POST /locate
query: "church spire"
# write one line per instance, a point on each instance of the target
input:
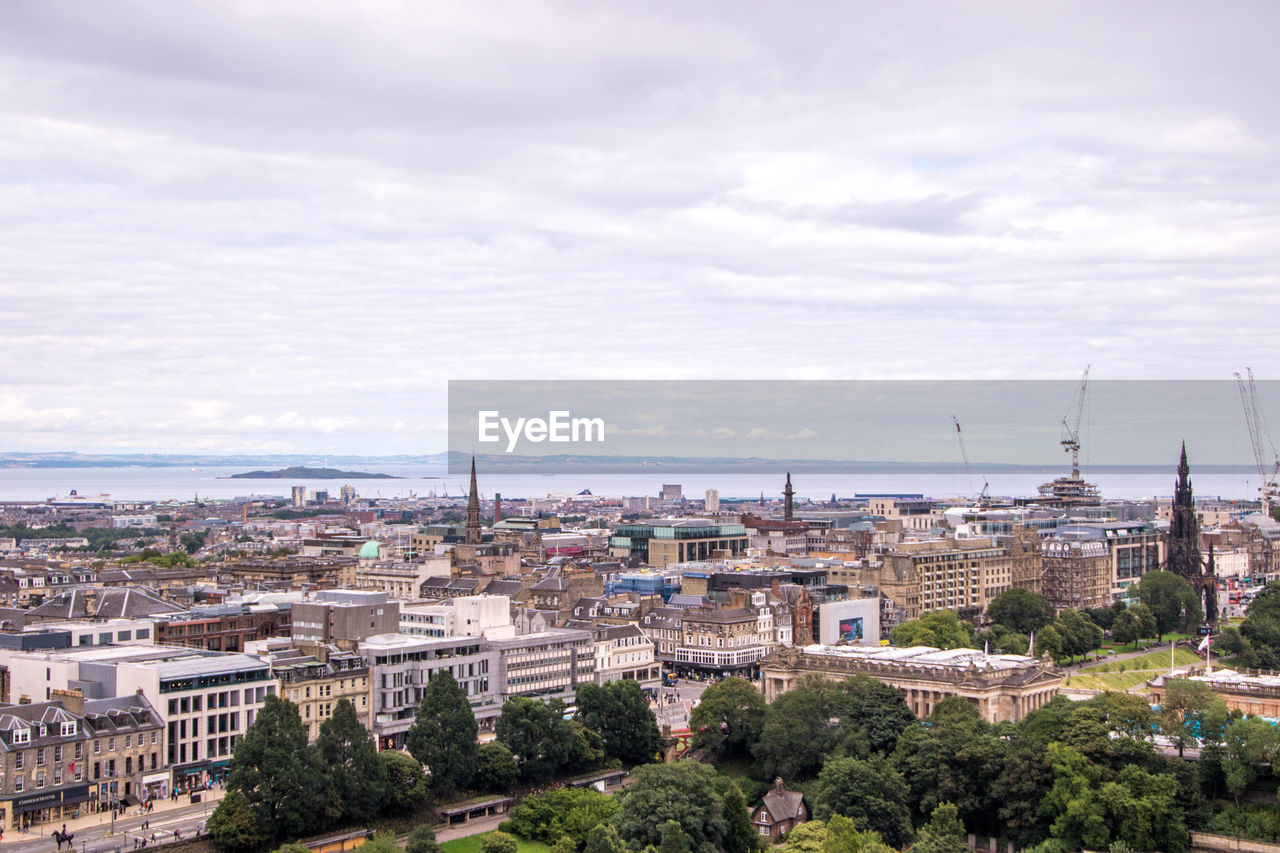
(473, 509)
(788, 495)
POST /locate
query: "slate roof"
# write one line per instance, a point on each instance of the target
(783, 804)
(124, 602)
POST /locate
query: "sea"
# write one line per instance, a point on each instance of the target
(944, 482)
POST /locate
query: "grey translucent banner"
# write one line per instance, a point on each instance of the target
(557, 426)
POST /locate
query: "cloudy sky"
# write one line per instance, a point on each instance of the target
(272, 226)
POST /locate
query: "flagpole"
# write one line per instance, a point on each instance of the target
(1171, 657)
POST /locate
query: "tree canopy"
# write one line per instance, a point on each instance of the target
(1020, 610)
(1173, 602)
(280, 776)
(443, 734)
(683, 792)
(357, 776)
(729, 717)
(941, 629)
(620, 714)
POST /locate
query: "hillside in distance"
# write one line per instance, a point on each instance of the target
(304, 473)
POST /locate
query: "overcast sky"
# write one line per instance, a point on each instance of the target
(264, 226)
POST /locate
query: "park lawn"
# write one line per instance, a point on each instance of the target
(1118, 681)
(471, 844)
(1152, 661)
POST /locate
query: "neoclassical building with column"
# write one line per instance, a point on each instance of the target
(1001, 687)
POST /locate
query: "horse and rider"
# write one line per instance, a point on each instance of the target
(64, 837)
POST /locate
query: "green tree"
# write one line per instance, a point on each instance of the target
(1048, 642)
(872, 714)
(941, 629)
(1249, 747)
(684, 792)
(957, 759)
(843, 836)
(561, 812)
(407, 789)
(443, 734)
(1025, 777)
(234, 825)
(538, 735)
(281, 776)
(496, 769)
(422, 840)
(1183, 709)
(944, 833)
(795, 737)
(292, 847)
(1261, 627)
(674, 839)
(1072, 801)
(740, 835)
(604, 839)
(1020, 610)
(729, 717)
(1231, 643)
(808, 837)
(620, 713)
(357, 776)
(871, 792)
(1125, 628)
(564, 844)
(382, 842)
(1175, 605)
(1146, 620)
(498, 842)
(1079, 635)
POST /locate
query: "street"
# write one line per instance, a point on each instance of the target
(687, 694)
(92, 833)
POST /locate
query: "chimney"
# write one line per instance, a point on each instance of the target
(497, 507)
(72, 700)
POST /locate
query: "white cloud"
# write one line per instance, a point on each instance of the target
(233, 225)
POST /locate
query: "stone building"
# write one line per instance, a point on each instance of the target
(1001, 687)
(1077, 573)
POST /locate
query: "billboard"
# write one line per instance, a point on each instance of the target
(849, 623)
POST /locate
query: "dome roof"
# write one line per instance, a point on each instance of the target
(370, 550)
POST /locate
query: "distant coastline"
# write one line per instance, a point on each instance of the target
(304, 473)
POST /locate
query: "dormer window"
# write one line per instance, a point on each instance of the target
(22, 735)
(68, 729)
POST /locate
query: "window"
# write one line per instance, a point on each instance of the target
(128, 741)
(39, 758)
(57, 753)
(97, 747)
(69, 728)
(19, 760)
(17, 783)
(22, 735)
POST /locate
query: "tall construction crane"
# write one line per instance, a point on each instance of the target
(1071, 425)
(1258, 431)
(981, 497)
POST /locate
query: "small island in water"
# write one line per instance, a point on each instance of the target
(303, 473)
